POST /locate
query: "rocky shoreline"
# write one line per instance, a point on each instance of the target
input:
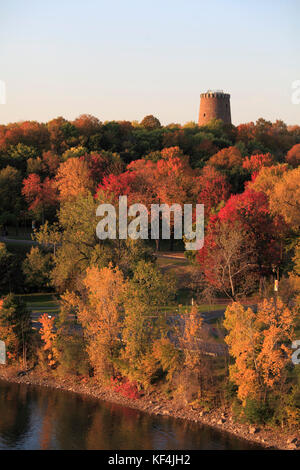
(157, 403)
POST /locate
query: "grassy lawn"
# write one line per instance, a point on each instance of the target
(41, 303)
(182, 272)
(40, 298)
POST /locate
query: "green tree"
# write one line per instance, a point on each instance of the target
(20, 153)
(11, 278)
(34, 165)
(80, 246)
(48, 235)
(36, 268)
(10, 195)
(150, 122)
(144, 322)
(16, 321)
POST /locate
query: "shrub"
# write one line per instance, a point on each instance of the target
(125, 388)
(73, 358)
(253, 412)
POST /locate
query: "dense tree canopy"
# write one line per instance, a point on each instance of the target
(118, 322)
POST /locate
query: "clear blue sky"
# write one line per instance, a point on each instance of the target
(120, 59)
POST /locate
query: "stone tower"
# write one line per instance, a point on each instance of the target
(214, 104)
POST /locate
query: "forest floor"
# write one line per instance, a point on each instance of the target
(156, 402)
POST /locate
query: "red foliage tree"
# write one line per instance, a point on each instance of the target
(87, 125)
(245, 132)
(103, 164)
(41, 195)
(251, 210)
(254, 163)
(118, 185)
(51, 162)
(228, 259)
(29, 133)
(169, 180)
(211, 188)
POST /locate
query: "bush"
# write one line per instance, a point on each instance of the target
(230, 390)
(73, 358)
(287, 409)
(16, 328)
(253, 412)
(125, 388)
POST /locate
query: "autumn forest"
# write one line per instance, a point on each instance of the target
(208, 329)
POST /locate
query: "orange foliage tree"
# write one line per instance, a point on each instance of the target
(293, 156)
(48, 336)
(257, 343)
(226, 158)
(285, 198)
(254, 163)
(73, 179)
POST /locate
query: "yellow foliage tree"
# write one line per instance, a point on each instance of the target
(48, 336)
(258, 344)
(267, 178)
(285, 198)
(276, 326)
(99, 312)
(73, 179)
(192, 323)
(226, 158)
(243, 340)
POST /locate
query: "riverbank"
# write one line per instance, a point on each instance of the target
(157, 403)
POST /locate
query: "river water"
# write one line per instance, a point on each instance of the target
(39, 418)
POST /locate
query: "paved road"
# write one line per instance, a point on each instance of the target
(17, 241)
(206, 347)
(213, 315)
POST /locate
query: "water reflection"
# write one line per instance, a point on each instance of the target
(40, 418)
